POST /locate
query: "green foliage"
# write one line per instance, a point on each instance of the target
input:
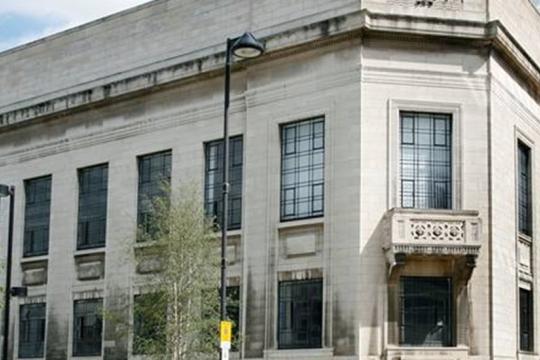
(179, 315)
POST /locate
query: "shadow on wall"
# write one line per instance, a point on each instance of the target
(372, 312)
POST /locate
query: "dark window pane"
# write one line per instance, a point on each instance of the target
(233, 313)
(154, 177)
(150, 320)
(302, 169)
(214, 181)
(31, 330)
(92, 206)
(524, 189)
(426, 160)
(426, 311)
(37, 215)
(300, 314)
(526, 320)
(87, 327)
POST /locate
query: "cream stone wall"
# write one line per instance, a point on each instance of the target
(356, 68)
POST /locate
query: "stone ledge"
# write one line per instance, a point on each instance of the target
(427, 353)
(301, 354)
(209, 62)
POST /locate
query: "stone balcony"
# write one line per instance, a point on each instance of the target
(414, 233)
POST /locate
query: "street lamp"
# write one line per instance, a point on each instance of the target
(246, 47)
(6, 191)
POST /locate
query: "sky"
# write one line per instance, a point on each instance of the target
(22, 21)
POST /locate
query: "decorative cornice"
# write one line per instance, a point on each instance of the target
(209, 62)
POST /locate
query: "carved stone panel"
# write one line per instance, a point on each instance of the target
(34, 273)
(525, 257)
(430, 4)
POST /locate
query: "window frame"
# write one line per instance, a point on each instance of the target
(451, 312)
(285, 216)
(74, 347)
(20, 352)
(27, 182)
(320, 283)
(522, 140)
(140, 181)
(90, 245)
(530, 319)
(418, 148)
(218, 164)
(395, 107)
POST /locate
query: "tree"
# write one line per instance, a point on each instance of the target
(177, 316)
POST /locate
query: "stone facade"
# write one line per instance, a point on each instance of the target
(150, 79)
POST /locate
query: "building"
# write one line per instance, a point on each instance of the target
(386, 173)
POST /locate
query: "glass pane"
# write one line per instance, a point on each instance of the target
(300, 314)
(92, 206)
(426, 311)
(213, 182)
(524, 190)
(37, 215)
(154, 177)
(302, 167)
(31, 330)
(426, 160)
(87, 327)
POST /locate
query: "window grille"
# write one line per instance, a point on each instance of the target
(87, 327)
(426, 311)
(37, 215)
(150, 320)
(526, 320)
(300, 314)
(214, 181)
(92, 207)
(302, 169)
(524, 189)
(31, 330)
(426, 160)
(154, 178)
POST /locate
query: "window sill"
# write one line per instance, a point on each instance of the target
(527, 355)
(230, 233)
(300, 354)
(85, 252)
(32, 259)
(526, 239)
(285, 225)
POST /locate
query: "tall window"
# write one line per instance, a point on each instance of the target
(92, 206)
(87, 327)
(526, 320)
(37, 215)
(302, 169)
(524, 189)
(150, 317)
(426, 311)
(154, 177)
(214, 180)
(31, 330)
(426, 160)
(300, 314)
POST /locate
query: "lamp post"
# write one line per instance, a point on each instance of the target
(6, 191)
(247, 47)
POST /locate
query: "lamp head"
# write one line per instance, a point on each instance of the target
(5, 190)
(247, 47)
